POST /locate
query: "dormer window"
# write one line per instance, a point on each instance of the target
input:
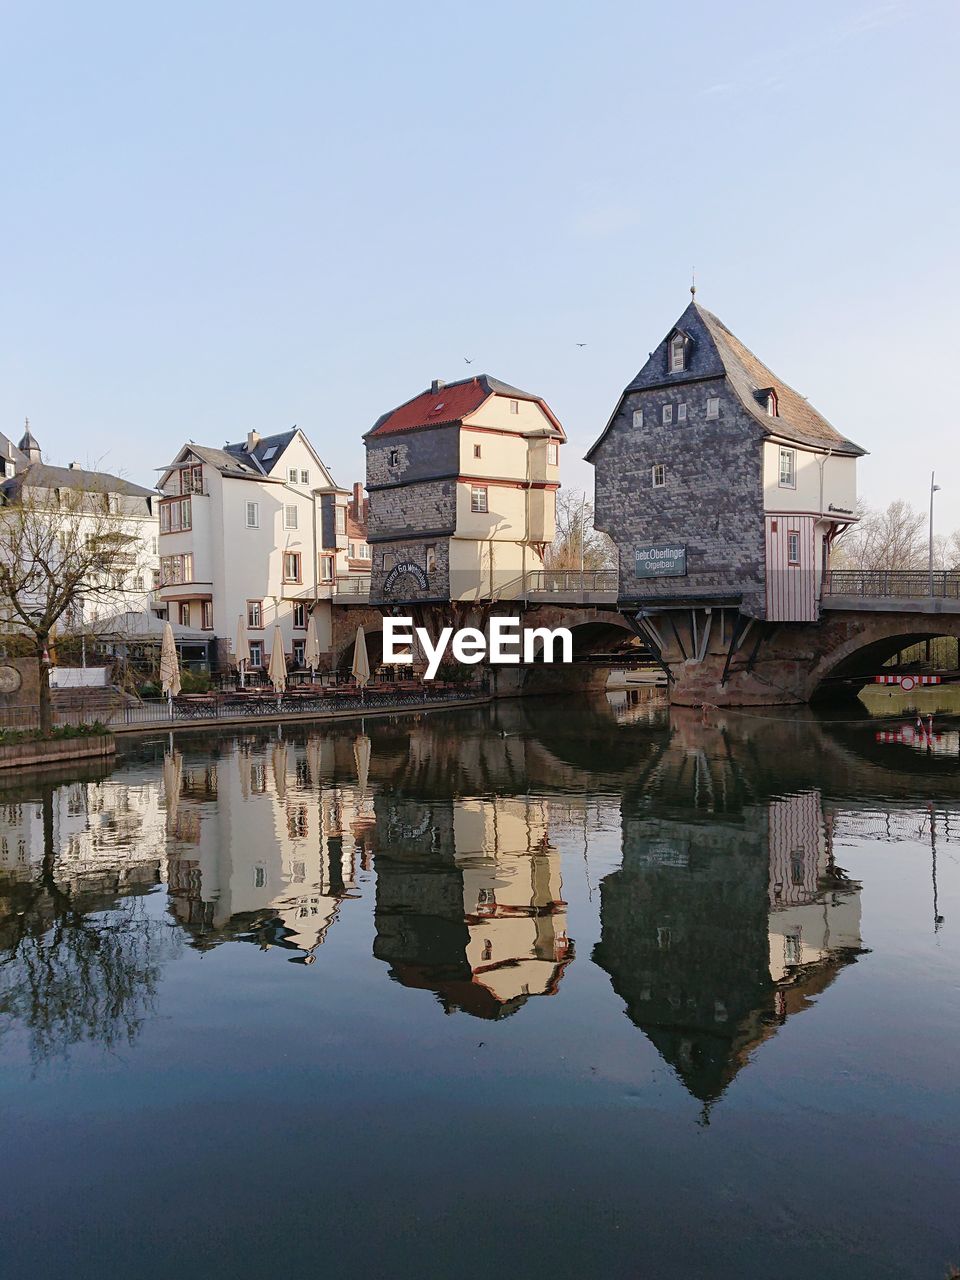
(769, 397)
(678, 353)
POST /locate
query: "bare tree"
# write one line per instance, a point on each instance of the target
(890, 539)
(576, 534)
(60, 549)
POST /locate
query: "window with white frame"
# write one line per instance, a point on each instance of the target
(713, 406)
(678, 353)
(553, 453)
(299, 652)
(291, 566)
(253, 515)
(206, 615)
(300, 615)
(292, 475)
(430, 557)
(478, 499)
(681, 412)
(393, 458)
(183, 613)
(364, 551)
(291, 515)
(326, 568)
(341, 519)
(638, 417)
(772, 404)
(793, 546)
(255, 617)
(514, 406)
(659, 475)
(788, 468)
(667, 414)
(305, 477)
(256, 653)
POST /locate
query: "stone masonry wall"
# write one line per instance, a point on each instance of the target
(712, 499)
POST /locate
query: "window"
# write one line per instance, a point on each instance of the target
(431, 558)
(713, 407)
(300, 616)
(253, 515)
(176, 569)
(477, 451)
(659, 475)
(165, 517)
(292, 475)
(793, 546)
(681, 412)
(256, 653)
(291, 566)
(191, 480)
(299, 650)
(553, 453)
(478, 499)
(183, 613)
(255, 616)
(678, 353)
(771, 403)
(138, 582)
(155, 578)
(638, 418)
(788, 468)
(514, 406)
(364, 551)
(341, 519)
(206, 615)
(667, 414)
(290, 515)
(326, 568)
(304, 477)
(393, 458)
(186, 514)
(154, 546)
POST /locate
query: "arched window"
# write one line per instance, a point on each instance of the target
(678, 353)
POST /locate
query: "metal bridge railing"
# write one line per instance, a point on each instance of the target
(892, 583)
(567, 584)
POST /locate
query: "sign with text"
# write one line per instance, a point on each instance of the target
(661, 560)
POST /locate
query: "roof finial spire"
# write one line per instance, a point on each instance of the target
(693, 282)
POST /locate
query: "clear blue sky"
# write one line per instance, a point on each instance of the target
(225, 216)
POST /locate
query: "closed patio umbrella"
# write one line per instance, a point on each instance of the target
(169, 667)
(280, 770)
(172, 784)
(361, 754)
(243, 647)
(311, 651)
(277, 671)
(361, 662)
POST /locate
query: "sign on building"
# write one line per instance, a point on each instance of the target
(658, 560)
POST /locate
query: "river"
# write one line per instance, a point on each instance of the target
(551, 987)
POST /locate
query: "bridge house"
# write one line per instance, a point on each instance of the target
(720, 484)
(462, 482)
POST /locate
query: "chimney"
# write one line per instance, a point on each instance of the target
(436, 386)
(253, 439)
(357, 512)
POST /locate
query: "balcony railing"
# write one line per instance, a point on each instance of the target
(892, 583)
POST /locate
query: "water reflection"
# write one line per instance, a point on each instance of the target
(730, 909)
(469, 901)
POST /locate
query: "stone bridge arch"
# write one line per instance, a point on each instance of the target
(855, 646)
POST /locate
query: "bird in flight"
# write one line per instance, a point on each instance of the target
(581, 344)
(467, 361)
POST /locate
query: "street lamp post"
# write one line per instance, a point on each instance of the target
(934, 488)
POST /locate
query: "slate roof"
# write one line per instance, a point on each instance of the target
(452, 403)
(714, 351)
(228, 464)
(277, 443)
(39, 475)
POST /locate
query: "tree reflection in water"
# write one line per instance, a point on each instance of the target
(78, 962)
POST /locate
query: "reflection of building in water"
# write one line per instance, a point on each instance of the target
(469, 901)
(105, 834)
(264, 845)
(714, 931)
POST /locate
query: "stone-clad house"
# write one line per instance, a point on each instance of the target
(462, 482)
(718, 482)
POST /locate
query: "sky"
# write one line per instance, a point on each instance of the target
(220, 217)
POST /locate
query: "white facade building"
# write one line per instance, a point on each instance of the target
(257, 530)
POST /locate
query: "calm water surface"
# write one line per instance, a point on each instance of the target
(546, 989)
